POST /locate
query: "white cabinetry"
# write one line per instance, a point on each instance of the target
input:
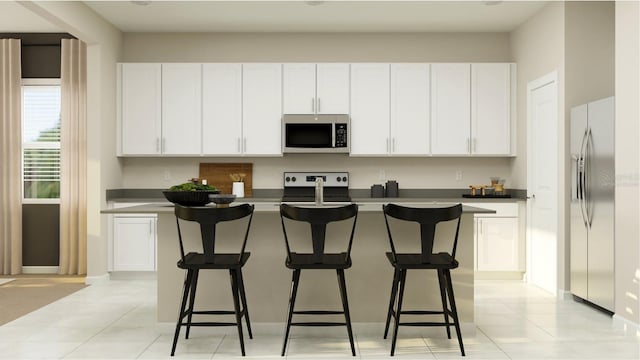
(262, 109)
(370, 109)
(222, 109)
(316, 88)
(409, 121)
(450, 109)
(140, 109)
(491, 109)
(499, 245)
(181, 109)
(134, 242)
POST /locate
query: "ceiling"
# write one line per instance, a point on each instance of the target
(290, 16)
(328, 16)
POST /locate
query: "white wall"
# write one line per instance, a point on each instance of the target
(627, 133)
(104, 170)
(349, 47)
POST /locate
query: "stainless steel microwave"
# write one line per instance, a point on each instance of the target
(322, 133)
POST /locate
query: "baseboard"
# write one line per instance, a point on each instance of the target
(97, 280)
(40, 269)
(564, 294)
(498, 275)
(134, 275)
(626, 324)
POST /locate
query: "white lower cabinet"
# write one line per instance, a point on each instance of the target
(134, 242)
(499, 241)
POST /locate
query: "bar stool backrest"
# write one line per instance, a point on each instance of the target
(208, 218)
(318, 218)
(427, 218)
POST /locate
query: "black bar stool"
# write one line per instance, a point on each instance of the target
(318, 218)
(443, 262)
(209, 259)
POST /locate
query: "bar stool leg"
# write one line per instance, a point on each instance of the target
(243, 298)
(443, 296)
(392, 300)
(185, 294)
(292, 300)
(452, 300)
(236, 305)
(403, 277)
(345, 307)
(192, 298)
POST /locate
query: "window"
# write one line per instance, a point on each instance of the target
(41, 139)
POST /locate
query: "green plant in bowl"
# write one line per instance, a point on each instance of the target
(189, 186)
(190, 194)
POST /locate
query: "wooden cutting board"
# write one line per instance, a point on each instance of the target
(217, 174)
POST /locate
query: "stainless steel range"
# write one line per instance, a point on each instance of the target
(301, 186)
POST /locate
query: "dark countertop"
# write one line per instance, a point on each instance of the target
(357, 195)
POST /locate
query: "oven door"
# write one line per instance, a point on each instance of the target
(301, 136)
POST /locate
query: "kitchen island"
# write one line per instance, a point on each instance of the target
(267, 280)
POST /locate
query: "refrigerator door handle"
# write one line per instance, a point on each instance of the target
(582, 178)
(587, 176)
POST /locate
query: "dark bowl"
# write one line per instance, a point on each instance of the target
(222, 199)
(189, 198)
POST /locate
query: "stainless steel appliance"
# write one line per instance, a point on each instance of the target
(319, 133)
(592, 202)
(302, 186)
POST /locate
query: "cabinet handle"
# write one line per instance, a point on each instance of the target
(318, 105)
(313, 105)
(393, 144)
(157, 145)
(150, 227)
(244, 145)
(239, 149)
(387, 144)
(468, 145)
(163, 144)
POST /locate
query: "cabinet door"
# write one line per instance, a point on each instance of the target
(262, 109)
(134, 244)
(140, 108)
(181, 109)
(221, 109)
(370, 109)
(409, 109)
(491, 109)
(332, 89)
(497, 244)
(299, 88)
(450, 109)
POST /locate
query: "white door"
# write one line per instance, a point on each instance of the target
(542, 188)
(370, 109)
(134, 243)
(491, 109)
(409, 109)
(140, 108)
(332, 88)
(299, 88)
(262, 109)
(221, 109)
(181, 109)
(450, 109)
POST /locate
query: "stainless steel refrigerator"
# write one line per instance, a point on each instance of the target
(592, 202)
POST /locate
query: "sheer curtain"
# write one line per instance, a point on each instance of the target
(73, 161)
(10, 158)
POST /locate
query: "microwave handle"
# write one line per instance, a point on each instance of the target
(333, 134)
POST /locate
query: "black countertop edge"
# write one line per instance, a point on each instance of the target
(133, 195)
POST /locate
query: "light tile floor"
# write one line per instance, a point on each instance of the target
(117, 321)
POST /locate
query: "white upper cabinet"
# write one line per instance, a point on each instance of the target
(181, 109)
(450, 109)
(262, 109)
(316, 89)
(222, 109)
(370, 109)
(491, 109)
(140, 109)
(332, 88)
(409, 109)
